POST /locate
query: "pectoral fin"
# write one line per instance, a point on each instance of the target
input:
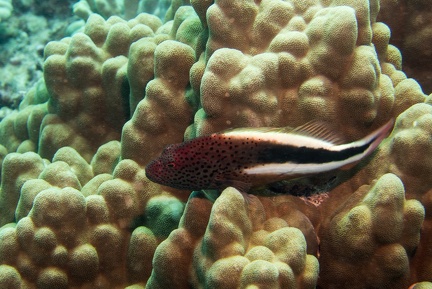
(239, 185)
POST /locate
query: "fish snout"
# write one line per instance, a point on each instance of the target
(153, 171)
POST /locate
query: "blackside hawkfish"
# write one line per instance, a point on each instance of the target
(247, 158)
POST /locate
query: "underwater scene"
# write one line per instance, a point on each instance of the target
(215, 144)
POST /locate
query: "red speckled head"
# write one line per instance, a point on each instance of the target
(164, 166)
(208, 162)
(186, 165)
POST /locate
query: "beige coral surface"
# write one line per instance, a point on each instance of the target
(77, 211)
(411, 26)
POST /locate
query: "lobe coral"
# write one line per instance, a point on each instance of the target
(77, 211)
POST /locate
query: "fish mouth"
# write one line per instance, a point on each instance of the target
(152, 170)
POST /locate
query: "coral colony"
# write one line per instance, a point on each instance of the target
(76, 207)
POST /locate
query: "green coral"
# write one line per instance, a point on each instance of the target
(6, 9)
(126, 8)
(76, 207)
(6, 29)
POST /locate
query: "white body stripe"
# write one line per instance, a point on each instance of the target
(281, 138)
(311, 168)
(301, 169)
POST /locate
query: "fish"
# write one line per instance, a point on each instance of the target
(247, 158)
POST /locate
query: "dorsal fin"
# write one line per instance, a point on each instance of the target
(316, 129)
(257, 129)
(320, 130)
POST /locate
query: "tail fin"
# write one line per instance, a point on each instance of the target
(371, 141)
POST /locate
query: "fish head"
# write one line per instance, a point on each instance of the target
(179, 166)
(155, 170)
(162, 169)
(186, 166)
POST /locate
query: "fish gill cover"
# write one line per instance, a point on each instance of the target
(77, 210)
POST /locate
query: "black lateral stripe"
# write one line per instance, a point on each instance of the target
(276, 153)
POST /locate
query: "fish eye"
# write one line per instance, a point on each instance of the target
(170, 165)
